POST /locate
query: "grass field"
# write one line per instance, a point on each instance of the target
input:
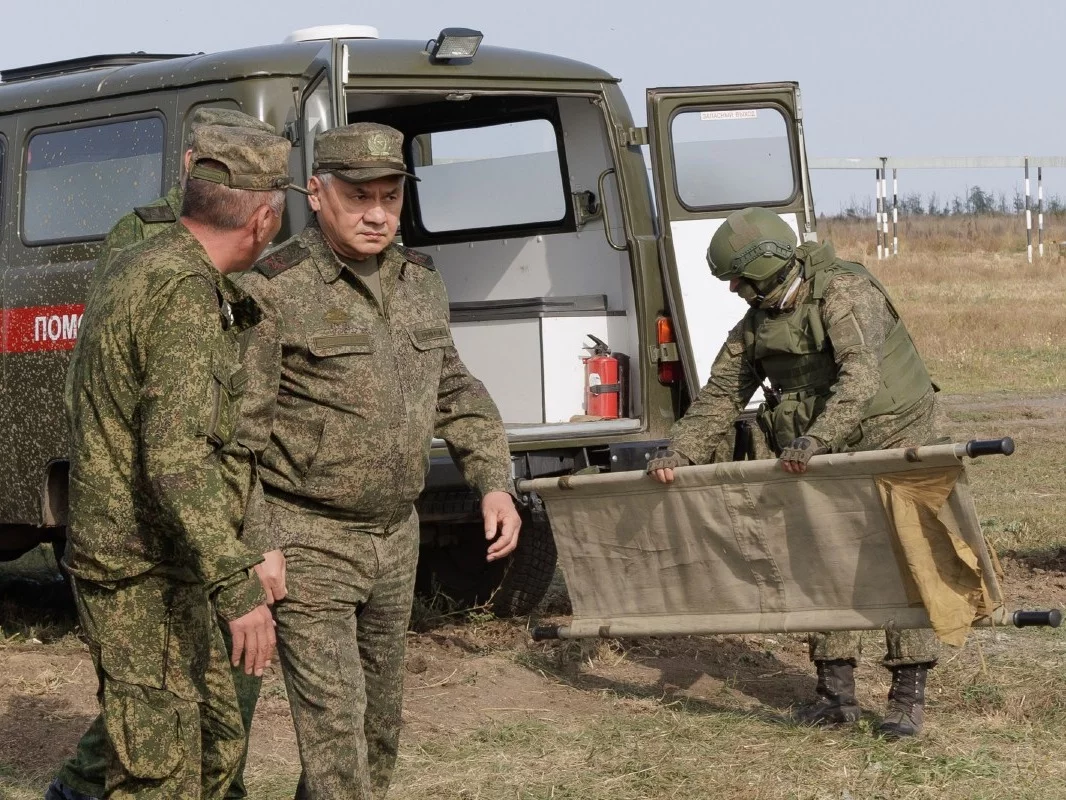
(491, 715)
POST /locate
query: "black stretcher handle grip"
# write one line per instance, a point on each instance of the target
(1028, 619)
(990, 447)
(542, 632)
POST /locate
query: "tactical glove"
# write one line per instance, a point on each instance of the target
(667, 459)
(800, 450)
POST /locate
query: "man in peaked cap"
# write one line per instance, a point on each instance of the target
(159, 482)
(364, 375)
(83, 776)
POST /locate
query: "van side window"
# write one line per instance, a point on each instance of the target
(490, 177)
(732, 157)
(79, 181)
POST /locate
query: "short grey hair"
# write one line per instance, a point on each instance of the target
(225, 208)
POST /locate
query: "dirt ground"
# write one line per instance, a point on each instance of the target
(485, 683)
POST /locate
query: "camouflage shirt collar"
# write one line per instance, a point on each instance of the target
(203, 264)
(175, 197)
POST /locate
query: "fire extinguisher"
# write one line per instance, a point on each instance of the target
(604, 379)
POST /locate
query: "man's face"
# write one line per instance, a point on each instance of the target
(359, 220)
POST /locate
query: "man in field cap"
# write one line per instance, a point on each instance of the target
(160, 483)
(365, 375)
(155, 217)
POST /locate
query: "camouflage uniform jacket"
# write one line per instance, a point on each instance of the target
(158, 481)
(855, 315)
(351, 393)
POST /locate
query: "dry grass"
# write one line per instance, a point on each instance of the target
(941, 235)
(985, 320)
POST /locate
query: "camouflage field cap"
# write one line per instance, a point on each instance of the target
(251, 159)
(227, 117)
(360, 152)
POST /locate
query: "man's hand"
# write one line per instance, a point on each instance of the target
(501, 523)
(665, 462)
(271, 572)
(794, 458)
(253, 638)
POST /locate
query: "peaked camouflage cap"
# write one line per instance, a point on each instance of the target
(360, 152)
(251, 158)
(227, 117)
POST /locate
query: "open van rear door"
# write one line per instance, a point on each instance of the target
(716, 149)
(321, 107)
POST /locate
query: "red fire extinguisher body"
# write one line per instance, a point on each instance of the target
(603, 382)
(601, 386)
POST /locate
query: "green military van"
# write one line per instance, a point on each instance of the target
(571, 241)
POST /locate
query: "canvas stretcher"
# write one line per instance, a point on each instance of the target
(861, 541)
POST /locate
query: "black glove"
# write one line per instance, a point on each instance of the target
(800, 450)
(666, 458)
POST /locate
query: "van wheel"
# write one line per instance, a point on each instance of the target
(510, 588)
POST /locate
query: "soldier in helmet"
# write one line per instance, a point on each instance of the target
(845, 376)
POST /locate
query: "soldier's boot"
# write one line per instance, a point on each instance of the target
(836, 703)
(57, 790)
(906, 702)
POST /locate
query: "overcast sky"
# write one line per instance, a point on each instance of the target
(903, 78)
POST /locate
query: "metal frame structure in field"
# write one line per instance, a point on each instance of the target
(881, 164)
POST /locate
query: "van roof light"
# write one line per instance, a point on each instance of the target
(319, 32)
(453, 44)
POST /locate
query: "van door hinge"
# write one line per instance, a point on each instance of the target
(660, 353)
(632, 137)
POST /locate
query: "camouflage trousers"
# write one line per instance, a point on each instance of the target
(341, 635)
(169, 718)
(902, 648)
(85, 773)
(918, 425)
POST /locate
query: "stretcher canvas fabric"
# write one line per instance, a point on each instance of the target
(862, 541)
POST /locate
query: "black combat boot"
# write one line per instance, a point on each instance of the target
(57, 790)
(836, 696)
(906, 702)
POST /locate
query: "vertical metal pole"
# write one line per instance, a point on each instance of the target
(884, 211)
(877, 213)
(1040, 209)
(1028, 217)
(895, 213)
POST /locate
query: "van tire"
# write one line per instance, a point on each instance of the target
(456, 567)
(529, 570)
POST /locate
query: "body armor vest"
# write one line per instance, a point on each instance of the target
(793, 351)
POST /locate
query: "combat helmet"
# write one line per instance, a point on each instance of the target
(755, 244)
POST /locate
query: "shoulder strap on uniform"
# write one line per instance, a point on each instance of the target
(153, 214)
(416, 257)
(277, 261)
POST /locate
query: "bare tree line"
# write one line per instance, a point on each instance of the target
(976, 201)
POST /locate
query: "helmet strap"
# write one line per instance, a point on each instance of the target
(785, 285)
